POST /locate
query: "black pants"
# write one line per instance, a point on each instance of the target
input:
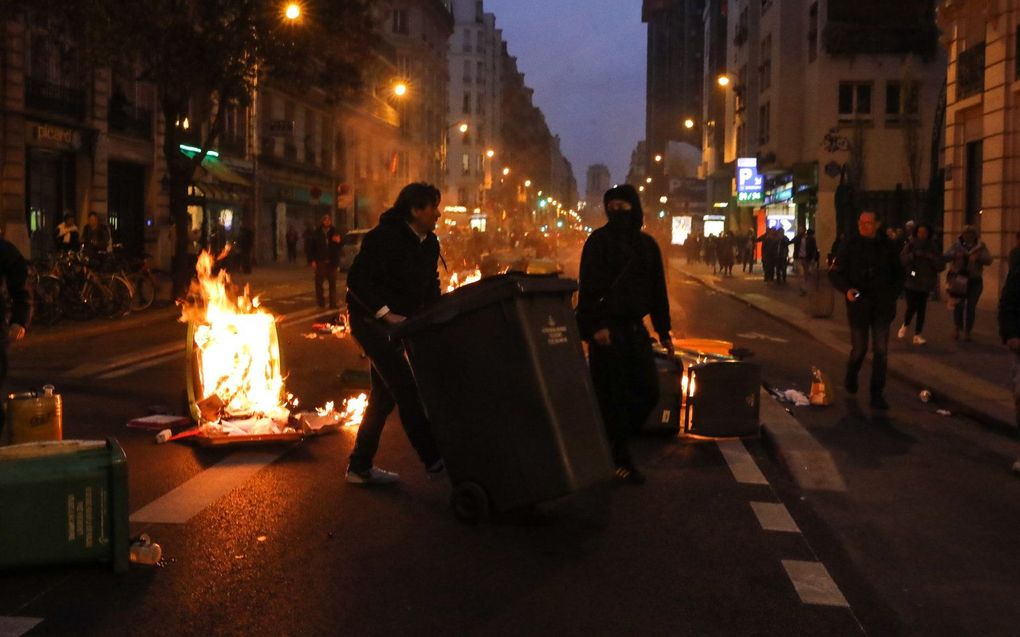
(626, 384)
(967, 307)
(917, 304)
(879, 331)
(323, 274)
(392, 386)
(292, 253)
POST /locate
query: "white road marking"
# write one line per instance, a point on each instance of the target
(773, 516)
(17, 626)
(741, 463)
(813, 583)
(758, 336)
(192, 497)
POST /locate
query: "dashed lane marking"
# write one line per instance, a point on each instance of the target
(192, 497)
(17, 626)
(744, 469)
(813, 583)
(773, 516)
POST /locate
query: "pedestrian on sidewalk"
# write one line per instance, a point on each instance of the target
(747, 253)
(805, 251)
(323, 251)
(921, 263)
(393, 276)
(622, 281)
(712, 252)
(867, 271)
(67, 234)
(724, 250)
(292, 239)
(967, 259)
(768, 253)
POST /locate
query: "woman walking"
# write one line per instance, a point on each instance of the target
(922, 263)
(967, 258)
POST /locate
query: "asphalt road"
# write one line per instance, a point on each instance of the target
(923, 541)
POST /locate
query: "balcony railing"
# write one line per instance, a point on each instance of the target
(46, 96)
(970, 71)
(131, 122)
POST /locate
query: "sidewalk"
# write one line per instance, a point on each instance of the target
(274, 281)
(971, 378)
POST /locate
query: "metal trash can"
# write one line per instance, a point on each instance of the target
(723, 399)
(64, 503)
(665, 417)
(503, 378)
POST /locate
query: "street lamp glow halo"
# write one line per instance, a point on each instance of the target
(463, 127)
(723, 80)
(400, 89)
(688, 123)
(292, 11)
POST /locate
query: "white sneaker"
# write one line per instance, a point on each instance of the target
(902, 333)
(919, 340)
(374, 476)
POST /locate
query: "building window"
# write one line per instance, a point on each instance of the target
(901, 100)
(479, 11)
(467, 71)
(400, 22)
(812, 34)
(854, 101)
(764, 117)
(466, 105)
(970, 71)
(462, 196)
(765, 70)
(465, 164)
(479, 162)
(467, 41)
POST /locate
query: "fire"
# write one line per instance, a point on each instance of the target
(457, 281)
(237, 356)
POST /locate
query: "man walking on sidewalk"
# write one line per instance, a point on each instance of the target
(323, 251)
(868, 271)
(393, 276)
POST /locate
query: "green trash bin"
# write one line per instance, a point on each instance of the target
(64, 502)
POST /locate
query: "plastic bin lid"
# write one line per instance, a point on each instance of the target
(48, 448)
(485, 292)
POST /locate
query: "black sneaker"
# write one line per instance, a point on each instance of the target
(850, 384)
(437, 470)
(878, 402)
(628, 473)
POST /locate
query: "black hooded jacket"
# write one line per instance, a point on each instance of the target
(394, 269)
(622, 278)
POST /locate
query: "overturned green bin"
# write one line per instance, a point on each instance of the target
(64, 502)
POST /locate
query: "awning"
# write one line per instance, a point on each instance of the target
(215, 169)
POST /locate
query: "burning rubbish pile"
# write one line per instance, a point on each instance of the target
(460, 279)
(235, 382)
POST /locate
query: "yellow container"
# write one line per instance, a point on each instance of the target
(32, 418)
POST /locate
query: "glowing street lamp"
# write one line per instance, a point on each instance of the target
(723, 80)
(663, 199)
(506, 171)
(400, 89)
(648, 180)
(658, 158)
(490, 153)
(527, 183)
(292, 11)
(641, 189)
(463, 128)
(688, 123)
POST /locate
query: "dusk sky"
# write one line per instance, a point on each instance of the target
(586, 61)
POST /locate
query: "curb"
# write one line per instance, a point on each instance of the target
(983, 417)
(805, 459)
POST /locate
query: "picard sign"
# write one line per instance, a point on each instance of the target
(53, 135)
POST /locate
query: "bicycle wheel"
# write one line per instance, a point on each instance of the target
(145, 292)
(48, 310)
(116, 298)
(79, 299)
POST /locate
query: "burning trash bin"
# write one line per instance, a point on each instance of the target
(503, 378)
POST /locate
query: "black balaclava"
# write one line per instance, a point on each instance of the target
(624, 220)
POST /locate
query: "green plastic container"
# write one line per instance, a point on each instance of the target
(64, 502)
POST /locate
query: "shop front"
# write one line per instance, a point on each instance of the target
(51, 182)
(126, 206)
(297, 206)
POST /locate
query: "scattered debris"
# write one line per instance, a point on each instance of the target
(144, 551)
(819, 389)
(163, 436)
(943, 412)
(796, 397)
(158, 422)
(758, 336)
(925, 396)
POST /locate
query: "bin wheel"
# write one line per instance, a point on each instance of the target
(470, 503)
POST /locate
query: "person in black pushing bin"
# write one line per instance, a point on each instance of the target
(622, 281)
(393, 276)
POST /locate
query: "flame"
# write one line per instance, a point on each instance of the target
(353, 411)
(457, 281)
(238, 357)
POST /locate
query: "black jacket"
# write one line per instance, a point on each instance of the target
(872, 267)
(14, 272)
(321, 248)
(622, 280)
(811, 249)
(394, 269)
(1009, 306)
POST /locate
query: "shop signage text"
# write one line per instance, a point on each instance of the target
(750, 185)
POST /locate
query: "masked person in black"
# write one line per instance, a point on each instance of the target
(14, 274)
(868, 272)
(622, 281)
(393, 276)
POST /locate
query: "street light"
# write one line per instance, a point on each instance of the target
(292, 11)
(648, 180)
(463, 128)
(490, 153)
(723, 80)
(663, 199)
(688, 123)
(400, 89)
(506, 171)
(527, 183)
(658, 158)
